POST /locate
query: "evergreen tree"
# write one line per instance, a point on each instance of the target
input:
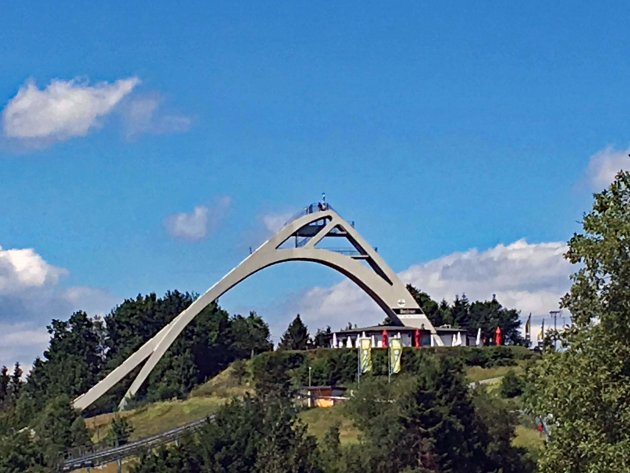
(182, 458)
(460, 312)
(512, 385)
(230, 442)
(207, 345)
(119, 431)
(296, 336)
(488, 315)
(5, 379)
(322, 338)
(429, 423)
(20, 453)
(15, 384)
(286, 447)
(330, 450)
(252, 435)
(57, 429)
(79, 435)
(500, 422)
(462, 437)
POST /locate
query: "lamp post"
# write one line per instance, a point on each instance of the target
(310, 383)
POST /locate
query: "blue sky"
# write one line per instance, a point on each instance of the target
(444, 129)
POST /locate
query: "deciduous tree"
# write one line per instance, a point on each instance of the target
(583, 390)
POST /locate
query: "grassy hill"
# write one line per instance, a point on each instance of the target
(161, 416)
(205, 399)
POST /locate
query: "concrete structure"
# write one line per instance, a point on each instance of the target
(303, 238)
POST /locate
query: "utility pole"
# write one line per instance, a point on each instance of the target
(554, 314)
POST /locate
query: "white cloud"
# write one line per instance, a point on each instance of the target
(21, 342)
(30, 296)
(62, 110)
(22, 269)
(530, 277)
(604, 166)
(90, 299)
(144, 115)
(527, 276)
(203, 220)
(274, 221)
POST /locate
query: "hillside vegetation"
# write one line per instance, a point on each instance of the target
(240, 377)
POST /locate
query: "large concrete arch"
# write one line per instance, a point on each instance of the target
(297, 241)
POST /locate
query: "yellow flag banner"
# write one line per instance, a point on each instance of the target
(541, 334)
(528, 327)
(395, 354)
(365, 355)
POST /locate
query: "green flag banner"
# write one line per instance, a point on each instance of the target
(395, 353)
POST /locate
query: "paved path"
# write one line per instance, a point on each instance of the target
(486, 381)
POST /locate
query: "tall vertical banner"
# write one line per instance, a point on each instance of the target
(365, 355)
(395, 354)
(528, 328)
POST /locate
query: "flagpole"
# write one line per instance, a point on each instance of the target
(389, 365)
(358, 365)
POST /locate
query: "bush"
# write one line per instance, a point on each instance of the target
(273, 371)
(512, 385)
(338, 367)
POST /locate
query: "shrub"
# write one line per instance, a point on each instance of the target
(512, 385)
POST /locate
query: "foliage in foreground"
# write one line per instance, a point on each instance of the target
(583, 391)
(430, 422)
(41, 448)
(433, 423)
(256, 434)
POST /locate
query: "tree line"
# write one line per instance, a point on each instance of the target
(461, 313)
(83, 349)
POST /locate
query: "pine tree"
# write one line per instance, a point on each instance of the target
(57, 430)
(5, 379)
(119, 431)
(462, 438)
(322, 338)
(460, 311)
(20, 453)
(296, 337)
(330, 450)
(286, 446)
(15, 384)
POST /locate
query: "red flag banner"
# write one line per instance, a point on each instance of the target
(499, 336)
